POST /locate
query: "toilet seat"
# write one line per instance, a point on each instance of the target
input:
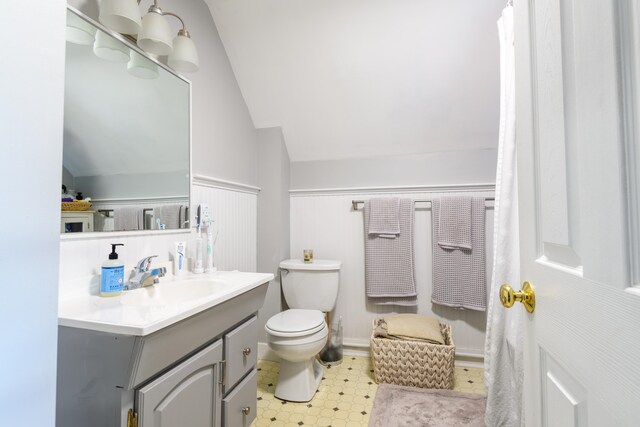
(295, 323)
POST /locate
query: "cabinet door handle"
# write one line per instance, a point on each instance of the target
(223, 366)
(246, 351)
(246, 410)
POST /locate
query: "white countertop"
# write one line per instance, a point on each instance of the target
(147, 310)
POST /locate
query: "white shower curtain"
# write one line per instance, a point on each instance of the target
(504, 346)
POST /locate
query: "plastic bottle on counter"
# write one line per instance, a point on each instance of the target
(112, 274)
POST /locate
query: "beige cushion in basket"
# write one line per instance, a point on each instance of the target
(412, 327)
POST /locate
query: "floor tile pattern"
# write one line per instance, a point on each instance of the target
(344, 398)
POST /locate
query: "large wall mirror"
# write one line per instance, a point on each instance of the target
(126, 136)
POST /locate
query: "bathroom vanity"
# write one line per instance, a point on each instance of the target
(180, 353)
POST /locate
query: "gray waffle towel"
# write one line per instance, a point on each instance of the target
(127, 219)
(455, 223)
(384, 217)
(169, 215)
(389, 272)
(459, 277)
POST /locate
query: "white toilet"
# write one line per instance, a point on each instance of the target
(297, 335)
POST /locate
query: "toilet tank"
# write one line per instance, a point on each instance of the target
(312, 286)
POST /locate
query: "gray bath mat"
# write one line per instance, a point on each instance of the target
(396, 406)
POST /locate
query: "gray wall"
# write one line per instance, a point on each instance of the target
(31, 111)
(223, 136)
(68, 179)
(273, 216)
(454, 167)
(134, 186)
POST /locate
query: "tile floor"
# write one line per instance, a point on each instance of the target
(344, 399)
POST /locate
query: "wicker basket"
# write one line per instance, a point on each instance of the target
(414, 363)
(77, 205)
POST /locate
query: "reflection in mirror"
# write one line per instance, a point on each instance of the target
(126, 136)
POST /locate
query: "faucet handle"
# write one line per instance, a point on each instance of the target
(144, 263)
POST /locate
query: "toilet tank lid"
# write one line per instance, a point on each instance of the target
(317, 264)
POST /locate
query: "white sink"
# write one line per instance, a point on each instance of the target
(146, 310)
(173, 293)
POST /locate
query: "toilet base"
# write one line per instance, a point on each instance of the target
(298, 381)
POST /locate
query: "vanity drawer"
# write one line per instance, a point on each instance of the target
(240, 351)
(240, 406)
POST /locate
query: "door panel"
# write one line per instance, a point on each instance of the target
(564, 400)
(582, 343)
(558, 234)
(187, 395)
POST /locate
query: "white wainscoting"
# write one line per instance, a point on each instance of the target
(233, 209)
(236, 221)
(325, 222)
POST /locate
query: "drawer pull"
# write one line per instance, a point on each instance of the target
(246, 410)
(246, 351)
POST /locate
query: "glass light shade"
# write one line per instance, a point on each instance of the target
(142, 67)
(79, 31)
(184, 57)
(155, 35)
(110, 49)
(122, 16)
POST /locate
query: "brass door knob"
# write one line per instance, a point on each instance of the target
(526, 296)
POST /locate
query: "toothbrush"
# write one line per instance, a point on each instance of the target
(210, 268)
(197, 269)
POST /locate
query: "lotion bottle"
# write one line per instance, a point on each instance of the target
(112, 274)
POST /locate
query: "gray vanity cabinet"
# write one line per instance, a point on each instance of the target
(187, 395)
(198, 372)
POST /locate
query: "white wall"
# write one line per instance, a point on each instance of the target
(325, 222)
(31, 110)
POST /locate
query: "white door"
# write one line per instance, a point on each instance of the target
(579, 165)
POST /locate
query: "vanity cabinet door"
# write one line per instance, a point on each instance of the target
(187, 395)
(241, 350)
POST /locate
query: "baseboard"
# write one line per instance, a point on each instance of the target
(467, 359)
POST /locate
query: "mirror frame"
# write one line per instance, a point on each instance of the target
(109, 234)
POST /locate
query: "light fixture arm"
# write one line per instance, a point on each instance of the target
(184, 29)
(155, 8)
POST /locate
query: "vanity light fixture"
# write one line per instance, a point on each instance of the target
(122, 16)
(184, 56)
(155, 35)
(79, 31)
(140, 66)
(154, 32)
(106, 47)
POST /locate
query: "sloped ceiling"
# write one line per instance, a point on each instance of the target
(360, 78)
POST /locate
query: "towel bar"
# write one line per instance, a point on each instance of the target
(355, 203)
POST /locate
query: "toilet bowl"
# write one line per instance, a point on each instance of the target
(297, 336)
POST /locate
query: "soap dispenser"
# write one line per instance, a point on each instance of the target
(112, 277)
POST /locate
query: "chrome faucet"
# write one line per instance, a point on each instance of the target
(143, 275)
